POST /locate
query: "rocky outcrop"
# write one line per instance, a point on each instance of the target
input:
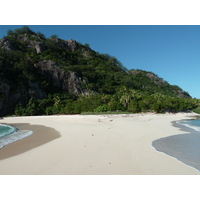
(66, 81)
(133, 72)
(74, 84)
(71, 45)
(6, 44)
(39, 46)
(153, 77)
(23, 38)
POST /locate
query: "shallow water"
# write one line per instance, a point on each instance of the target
(9, 134)
(6, 130)
(183, 147)
(194, 124)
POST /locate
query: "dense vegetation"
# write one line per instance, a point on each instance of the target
(112, 87)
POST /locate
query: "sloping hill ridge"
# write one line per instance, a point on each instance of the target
(33, 67)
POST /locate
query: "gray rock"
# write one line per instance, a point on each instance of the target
(23, 38)
(39, 46)
(66, 81)
(71, 45)
(6, 44)
(74, 84)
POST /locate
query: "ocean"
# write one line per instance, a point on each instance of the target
(9, 134)
(194, 124)
(184, 147)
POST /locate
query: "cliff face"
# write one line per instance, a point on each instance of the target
(67, 81)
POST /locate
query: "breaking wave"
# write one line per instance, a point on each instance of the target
(9, 134)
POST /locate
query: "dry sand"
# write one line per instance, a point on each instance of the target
(99, 145)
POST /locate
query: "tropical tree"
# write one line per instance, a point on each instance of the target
(125, 99)
(158, 96)
(128, 95)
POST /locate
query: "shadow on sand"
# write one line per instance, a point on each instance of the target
(41, 135)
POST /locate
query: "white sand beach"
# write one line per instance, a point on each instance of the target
(93, 144)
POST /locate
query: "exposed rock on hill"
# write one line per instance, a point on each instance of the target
(6, 44)
(66, 44)
(66, 81)
(71, 45)
(39, 47)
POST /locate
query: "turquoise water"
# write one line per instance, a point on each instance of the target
(184, 147)
(194, 124)
(9, 134)
(6, 130)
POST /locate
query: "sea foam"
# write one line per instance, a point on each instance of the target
(18, 135)
(194, 124)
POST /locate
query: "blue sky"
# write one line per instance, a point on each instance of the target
(171, 52)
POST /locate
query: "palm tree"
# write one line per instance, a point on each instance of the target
(128, 95)
(135, 94)
(158, 96)
(125, 99)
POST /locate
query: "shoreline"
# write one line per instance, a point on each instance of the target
(187, 141)
(34, 140)
(13, 137)
(89, 144)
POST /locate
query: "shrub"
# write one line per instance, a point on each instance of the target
(103, 108)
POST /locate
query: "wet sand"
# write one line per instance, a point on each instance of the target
(41, 136)
(184, 147)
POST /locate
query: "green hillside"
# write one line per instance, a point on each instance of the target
(40, 75)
